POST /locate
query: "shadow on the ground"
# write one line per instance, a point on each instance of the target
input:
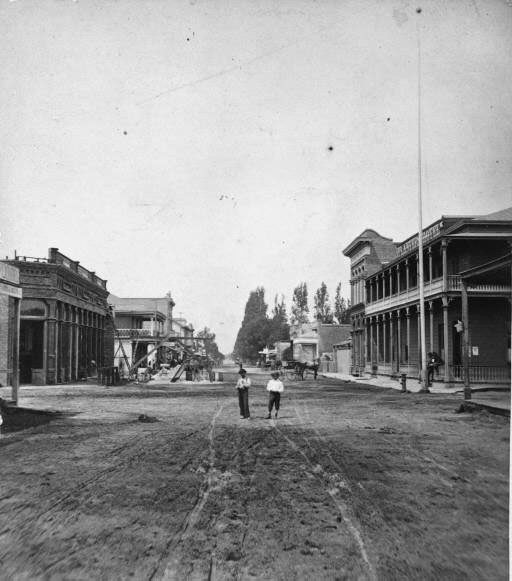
(15, 419)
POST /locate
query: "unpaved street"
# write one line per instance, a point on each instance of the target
(350, 482)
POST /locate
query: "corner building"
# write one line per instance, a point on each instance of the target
(467, 261)
(65, 333)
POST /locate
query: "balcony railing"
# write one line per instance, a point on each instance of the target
(431, 288)
(455, 284)
(136, 334)
(139, 333)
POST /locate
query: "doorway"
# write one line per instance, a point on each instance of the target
(31, 350)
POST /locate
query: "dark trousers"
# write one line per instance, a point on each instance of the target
(243, 402)
(274, 398)
(430, 375)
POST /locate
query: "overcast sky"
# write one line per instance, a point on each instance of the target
(208, 147)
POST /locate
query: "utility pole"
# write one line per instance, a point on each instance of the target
(423, 355)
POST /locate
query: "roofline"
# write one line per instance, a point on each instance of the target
(21, 265)
(361, 239)
(141, 298)
(476, 221)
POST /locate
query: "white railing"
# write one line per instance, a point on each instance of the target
(478, 374)
(481, 373)
(454, 282)
(138, 333)
(31, 259)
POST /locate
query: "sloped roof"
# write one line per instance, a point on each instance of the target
(494, 225)
(500, 216)
(384, 250)
(142, 304)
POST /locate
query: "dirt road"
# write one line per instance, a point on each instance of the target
(349, 483)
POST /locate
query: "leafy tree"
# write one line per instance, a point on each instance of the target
(254, 331)
(323, 312)
(279, 330)
(300, 308)
(341, 307)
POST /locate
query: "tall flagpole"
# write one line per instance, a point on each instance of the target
(423, 355)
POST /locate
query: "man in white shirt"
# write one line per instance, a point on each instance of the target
(275, 388)
(242, 386)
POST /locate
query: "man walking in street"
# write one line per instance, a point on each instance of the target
(275, 388)
(242, 386)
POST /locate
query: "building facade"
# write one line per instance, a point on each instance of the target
(184, 331)
(314, 341)
(385, 296)
(143, 329)
(10, 302)
(64, 333)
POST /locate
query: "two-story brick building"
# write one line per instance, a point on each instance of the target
(465, 257)
(64, 332)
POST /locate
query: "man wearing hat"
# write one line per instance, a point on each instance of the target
(242, 386)
(275, 388)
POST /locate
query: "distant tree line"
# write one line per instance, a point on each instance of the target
(259, 330)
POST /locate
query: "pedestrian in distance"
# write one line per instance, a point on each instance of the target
(243, 385)
(434, 361)
(275, 388)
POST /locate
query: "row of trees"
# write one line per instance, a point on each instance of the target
(323, 311)
(258, 329)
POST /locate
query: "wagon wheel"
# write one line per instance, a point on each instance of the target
(291, 375)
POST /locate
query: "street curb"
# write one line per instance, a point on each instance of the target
(471, 406)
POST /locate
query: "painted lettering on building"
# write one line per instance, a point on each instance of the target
(428, 234)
